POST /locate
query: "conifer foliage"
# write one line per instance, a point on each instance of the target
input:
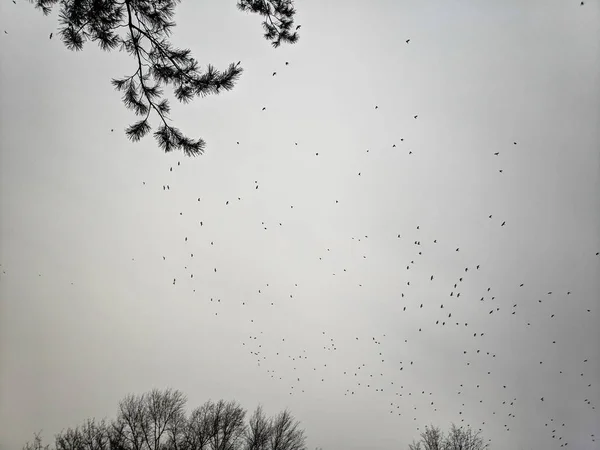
(142, 28)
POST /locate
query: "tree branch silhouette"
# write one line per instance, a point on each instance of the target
(141, 28)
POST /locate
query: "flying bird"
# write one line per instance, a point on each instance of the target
(407, 41)
(50, 36)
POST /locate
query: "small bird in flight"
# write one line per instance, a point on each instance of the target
(407, 41)
(50, 35)
(274, 73)
(298, 27)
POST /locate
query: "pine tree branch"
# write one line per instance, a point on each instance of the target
(139, 71)
(102, 21)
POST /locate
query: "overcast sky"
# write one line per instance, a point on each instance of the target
(311, 278)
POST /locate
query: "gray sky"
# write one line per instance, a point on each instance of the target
(89, 312)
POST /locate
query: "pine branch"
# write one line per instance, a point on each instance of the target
(141, 28)
(279, 19)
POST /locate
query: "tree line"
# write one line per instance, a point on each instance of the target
(457, 438)
(157, 420)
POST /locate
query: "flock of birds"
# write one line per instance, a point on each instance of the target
(298, 367)
(377, 369)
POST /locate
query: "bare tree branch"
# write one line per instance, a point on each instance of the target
(258, 432)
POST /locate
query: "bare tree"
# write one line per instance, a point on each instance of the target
(286, 433)
(147, 422)
(414, 445)
(95, 435)
(197, 431)
(69, 440)
(166, 413)
(89, 436)
(117, 436)
(37, 443)
(460, 438)
(227, 426)
(258, 432)
(129, 422)
(432, 438)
